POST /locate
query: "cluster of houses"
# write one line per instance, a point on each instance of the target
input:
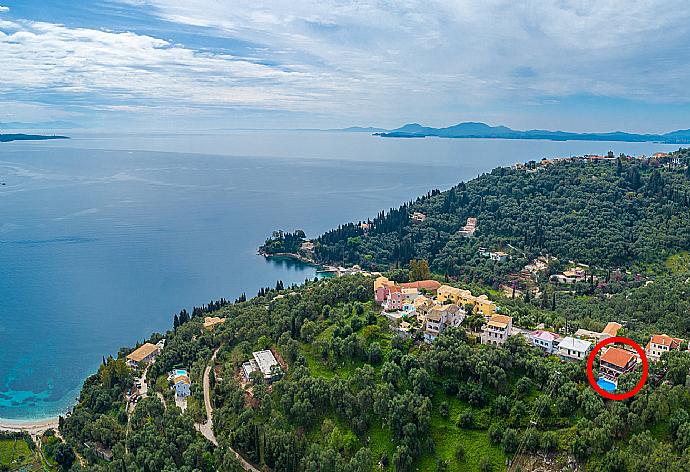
(614, 361)
(265, 363)
(658, 159)
(436, 307)
(571, 276)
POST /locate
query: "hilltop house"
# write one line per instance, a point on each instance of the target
(469, 228)
(660, 343)
(573, 349)
(211, 321)
(418, 217)
(144, 354)
(497, 330)
(441, 317)
(545, 340)
(264, 362)
(616, 362)
(612, 328)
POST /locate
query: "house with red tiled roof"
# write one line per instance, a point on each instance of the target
(612, 328)
(616, 362)
(428, 285)
(660, 343)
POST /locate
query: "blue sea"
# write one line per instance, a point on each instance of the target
(105, 236)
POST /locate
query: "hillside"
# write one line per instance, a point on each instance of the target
(603, 214)
(359, 396)
(355, 395)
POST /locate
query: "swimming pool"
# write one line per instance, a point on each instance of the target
(606, 385)
(180, 372)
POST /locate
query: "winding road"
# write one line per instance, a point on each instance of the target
(206, 428)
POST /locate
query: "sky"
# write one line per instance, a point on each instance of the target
(572, 65)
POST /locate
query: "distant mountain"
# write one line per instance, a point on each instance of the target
(360, 129)
(5, 138)
(482, 130)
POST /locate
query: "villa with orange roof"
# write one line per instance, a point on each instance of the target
(616, 362)
(660, 343)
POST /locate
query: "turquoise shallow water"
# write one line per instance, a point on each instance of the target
(100, 247)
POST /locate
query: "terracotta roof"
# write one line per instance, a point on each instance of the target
(142, 352)
(612, 328)
(666, 340)
(423, 284)
(501, 319)
(497, 324)
(183, 379)
(617, 356)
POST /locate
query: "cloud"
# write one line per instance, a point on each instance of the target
(467, 51)
(125, 69)
(378, 60)
(4, 9)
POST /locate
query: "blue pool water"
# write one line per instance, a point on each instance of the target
(606, 385)
(180, 372)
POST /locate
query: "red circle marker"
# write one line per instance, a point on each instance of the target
(590, 365)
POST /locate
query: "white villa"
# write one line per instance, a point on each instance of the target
(545, 340)
(264, 362)
(573, 349)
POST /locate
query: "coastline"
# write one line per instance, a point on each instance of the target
(29, 426)
(290, 255)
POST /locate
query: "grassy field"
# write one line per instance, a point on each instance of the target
(678, 262)
(447, 435)
(15, 454)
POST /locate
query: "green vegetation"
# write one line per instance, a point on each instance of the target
(356, 396)
(283, 243)
(17, 453)
(596, 214)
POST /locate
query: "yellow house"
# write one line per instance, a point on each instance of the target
(461, 297)
(380, 282)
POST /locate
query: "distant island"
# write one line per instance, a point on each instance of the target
(482, 130)
(5, 138)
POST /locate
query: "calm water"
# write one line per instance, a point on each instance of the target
(103, 238)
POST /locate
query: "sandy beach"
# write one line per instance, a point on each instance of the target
(30, 426)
